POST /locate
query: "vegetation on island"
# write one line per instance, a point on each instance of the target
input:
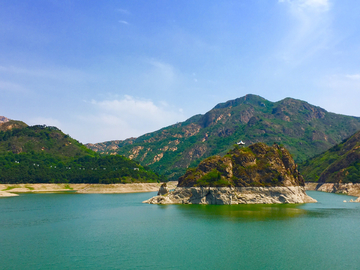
(340, 164)
(43, 154)
(258, 165)
(305, 130)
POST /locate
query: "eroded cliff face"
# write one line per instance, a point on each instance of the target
(258, 165)
(352, 189)
(233, 195)
(256, 174)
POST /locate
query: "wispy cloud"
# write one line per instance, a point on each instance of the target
(129, 117)
(6, 86)
(124, 22)
(123, 11)
(341, 93)
(308, 5)
(353, 76)
(310, 32)
(64, 74)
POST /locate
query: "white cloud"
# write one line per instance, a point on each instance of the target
(341, 94)
(160, 77)
(308, 5)
(309, 32)
(6, 86)
(61, 74)
(124, 22)
(129, 117)
(353, 76)
(123, 11)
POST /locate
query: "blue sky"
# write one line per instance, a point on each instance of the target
(106, 70)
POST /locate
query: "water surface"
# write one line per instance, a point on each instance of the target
(117, 231)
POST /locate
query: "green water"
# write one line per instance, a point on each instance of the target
(94, 231)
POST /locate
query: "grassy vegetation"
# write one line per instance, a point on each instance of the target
(10, 188)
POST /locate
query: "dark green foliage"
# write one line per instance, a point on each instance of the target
(212, 179)
(40, 154)
(340, 164)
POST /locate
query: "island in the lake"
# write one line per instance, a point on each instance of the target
(258, 174)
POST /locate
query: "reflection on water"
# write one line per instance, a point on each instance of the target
(262, 212)
(244, 212)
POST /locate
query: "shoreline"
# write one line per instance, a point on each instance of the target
(233, 195)
(347, 189)
(11, 190)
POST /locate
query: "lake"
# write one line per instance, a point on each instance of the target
(117, 231)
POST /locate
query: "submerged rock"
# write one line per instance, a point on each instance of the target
(256, 174)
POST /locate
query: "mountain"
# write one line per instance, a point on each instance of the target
(339, 164)
(305, 130)
(258, 165)
(254, 174)
(44, 154)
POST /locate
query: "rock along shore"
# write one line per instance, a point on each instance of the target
(233, 195)
(9, 190)
(348, 188)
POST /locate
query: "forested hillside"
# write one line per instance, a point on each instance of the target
(43, 154)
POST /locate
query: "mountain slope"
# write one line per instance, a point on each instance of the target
(258, 165)
(340, 164)
(42, 154)
(305, 130)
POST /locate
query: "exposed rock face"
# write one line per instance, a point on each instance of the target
(3, 119)
(233, 195)
(163, 189)
(258, 165)
(348, 188)
(257, 174)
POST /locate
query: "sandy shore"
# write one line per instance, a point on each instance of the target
(8, 190)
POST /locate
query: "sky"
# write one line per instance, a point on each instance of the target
(110, 70)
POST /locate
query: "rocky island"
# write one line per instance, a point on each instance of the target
(258, 174)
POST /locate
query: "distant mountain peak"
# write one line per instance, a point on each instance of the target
(247, 99)
(4, 119)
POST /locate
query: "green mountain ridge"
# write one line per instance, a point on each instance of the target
(44, 154)
(339, 164)
(305, 130)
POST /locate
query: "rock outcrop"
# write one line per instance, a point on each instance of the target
(3, 119)
(163, 189)
(255, 174)
(346, 188)
(233, 195)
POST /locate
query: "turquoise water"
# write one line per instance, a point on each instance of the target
(97, 231)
